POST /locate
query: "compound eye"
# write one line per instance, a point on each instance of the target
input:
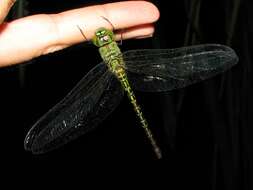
(98, 33)
(106, 38)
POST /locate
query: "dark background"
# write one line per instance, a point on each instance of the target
(205, 130)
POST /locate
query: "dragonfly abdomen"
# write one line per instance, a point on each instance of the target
(120, 73)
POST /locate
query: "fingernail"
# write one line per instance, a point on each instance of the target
(144, 36)
(11, 2)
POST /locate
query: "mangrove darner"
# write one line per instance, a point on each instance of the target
(101, 90)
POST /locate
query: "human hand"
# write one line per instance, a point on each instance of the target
(26, 38)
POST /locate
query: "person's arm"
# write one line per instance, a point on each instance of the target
(32, 36)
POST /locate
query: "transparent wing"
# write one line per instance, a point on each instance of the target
(89, 103)
(157, 70)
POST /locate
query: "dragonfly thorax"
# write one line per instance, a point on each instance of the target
(112, 56)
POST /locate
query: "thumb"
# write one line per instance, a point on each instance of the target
(5, 6)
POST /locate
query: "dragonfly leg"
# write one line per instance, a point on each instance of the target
(82, 33)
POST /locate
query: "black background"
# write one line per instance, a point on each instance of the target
(205, 130)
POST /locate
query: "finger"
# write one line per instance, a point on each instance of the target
(36, 35)
(121, 15)
(5, 6)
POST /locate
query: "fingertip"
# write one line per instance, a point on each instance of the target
(153, 10)
(130, 13)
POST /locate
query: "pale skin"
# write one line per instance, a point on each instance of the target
(26, 38)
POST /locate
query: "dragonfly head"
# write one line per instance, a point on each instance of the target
(102, 37)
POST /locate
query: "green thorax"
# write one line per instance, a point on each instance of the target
(108, 48)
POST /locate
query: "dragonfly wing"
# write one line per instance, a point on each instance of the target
(87, 105)
(157, 70)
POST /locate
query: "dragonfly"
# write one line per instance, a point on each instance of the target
(101, 90)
